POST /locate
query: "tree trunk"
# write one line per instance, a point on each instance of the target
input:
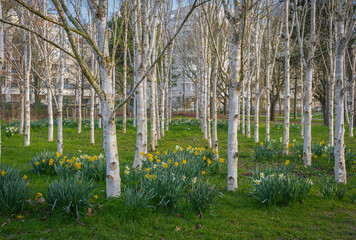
(60, 97)
(248, 90)
(153, 135)
(27, 71)
(309, 91)
(22, 108)
(286, 83)
(232, 146)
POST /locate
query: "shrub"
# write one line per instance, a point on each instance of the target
(201, 195)
(71, 195)
(14, 190)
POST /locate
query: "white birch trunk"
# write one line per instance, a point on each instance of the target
(268, 69)
(22, 108)
(309, 91)
(124, 107)
(286, 82)
(27, 70)
(153, 135)
(342, 40)
(60, 97)
(232, 146)
(92, 109)
(79, 95)
(248, 90)
(308, 117)
(50, 114)
(214, 106)
(331, 88)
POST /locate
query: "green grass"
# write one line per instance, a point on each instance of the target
(237, 216)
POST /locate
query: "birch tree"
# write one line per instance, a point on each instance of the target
(236, 20)
(343, 37)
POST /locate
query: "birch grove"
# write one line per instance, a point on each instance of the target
(154, 60)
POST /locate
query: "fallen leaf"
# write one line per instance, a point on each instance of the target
(44, 218)
(198, 226)
(177, 228)
(4, 224)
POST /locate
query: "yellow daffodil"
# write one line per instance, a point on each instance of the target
(157, 153)
(221, 160)
(142, 154)
(209, 161)
(204, 158)
(37, 163)
(286, 163)
(203, 173)
(43, 160)
(50, 162)
(96, 196)
(184, 161)
(25, 177)
(39, 195)
(261, 143)
(147, 169)
(3, 173)
(58, 154)
(176, 164)
(158, 160)
(165, 165)
(78, 165)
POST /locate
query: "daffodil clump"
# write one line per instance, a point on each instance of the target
(296, 150)
(170, 175)
(11, 130)
(43, 123)
(185, 121)
(71, 195)
(267, 150)
(15, 190)
(91, 166)
(275, 186)
(323, 156)
(46, 162)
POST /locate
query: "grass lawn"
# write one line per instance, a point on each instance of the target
(236, 215)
